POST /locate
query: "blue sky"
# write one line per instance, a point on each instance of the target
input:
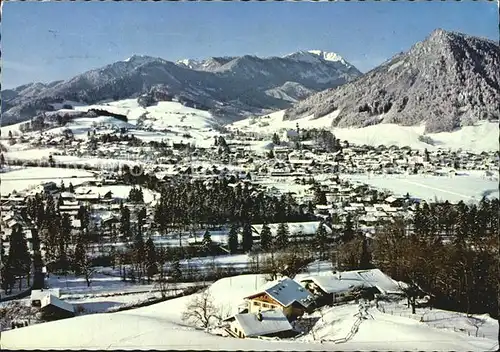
(47, 41)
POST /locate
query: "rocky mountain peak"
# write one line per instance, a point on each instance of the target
(446, 81)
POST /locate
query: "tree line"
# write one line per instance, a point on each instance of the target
(447, 250)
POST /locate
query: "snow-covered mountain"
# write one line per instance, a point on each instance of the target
(317, 56)
(230, 87)
(447, 81)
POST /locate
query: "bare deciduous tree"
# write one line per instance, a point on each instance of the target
(202, 311)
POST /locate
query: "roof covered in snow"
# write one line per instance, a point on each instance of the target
(54, 301)
(332, 284)
(37, 295)
(271, 322)
(374, 278)
(286, 291)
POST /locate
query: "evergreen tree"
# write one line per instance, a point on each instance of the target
(141, 216)
(233, 239)
(64, 241)
(151, 259)
(207, 243)
(62, 187)
(282, 236)
(276, 139)
(348, 233)
(19, 259)
(247, 237)
(71, 188)
(321, 239)
(139, 253)
(2, 160)
(319, 196)
(266, 239)
(365, 257)
(125, 221)
(310, 207)
(176, 270)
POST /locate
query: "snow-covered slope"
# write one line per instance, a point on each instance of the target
(158, 327)
(448, 80)
(482, 136)
(230, 86)
(316, 56)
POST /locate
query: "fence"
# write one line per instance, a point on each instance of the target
(430, 318)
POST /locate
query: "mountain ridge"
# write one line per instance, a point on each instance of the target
(232, 87)
(445, 81)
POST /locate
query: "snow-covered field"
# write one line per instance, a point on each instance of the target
(469, 188)
(167, 121)
(442, 319)
(481, 137)
(26, 178)
(159, 326)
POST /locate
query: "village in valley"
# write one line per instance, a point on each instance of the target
(270, 234)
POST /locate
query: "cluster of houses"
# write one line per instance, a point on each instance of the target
(272, 309)
(288, 170)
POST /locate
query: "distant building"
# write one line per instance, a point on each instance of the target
(290, 136)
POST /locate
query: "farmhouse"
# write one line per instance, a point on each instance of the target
(331, 289)
(269, 323)
(285, 295)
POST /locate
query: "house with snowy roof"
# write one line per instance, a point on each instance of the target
(38, 295)
(53, 308)
(331, 289)
(268, 323)
(285, 294)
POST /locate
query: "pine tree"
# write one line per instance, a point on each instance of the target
(266, 239)
(139, 253)
(247, 237)
(125, 221)
(365, 257)
(348, 233)
(233, 239)
(141, 216)
(62, 187)
(71, 188)
(276, 139)
(207, 243)
(176, 270)
(321, 239)
(64, 241)
(282, 236)
(19, 259)
(319, 196)
(151, 259)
